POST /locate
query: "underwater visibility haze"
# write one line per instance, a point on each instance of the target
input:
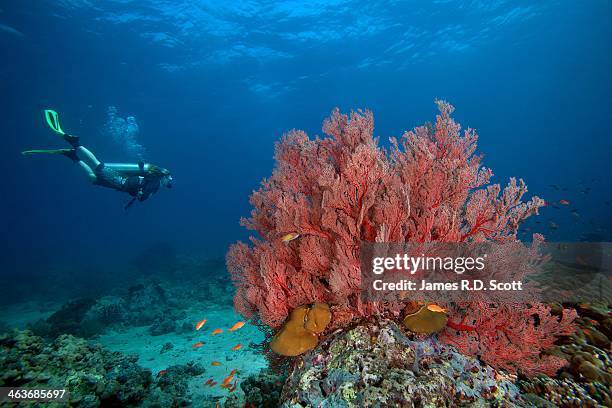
(192, 190)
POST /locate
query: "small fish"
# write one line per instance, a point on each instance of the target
(236, 326)
(212, 384)
(237, 347)
(564, 202)
(232, 389)
(215, 363)
(209, 381)
(199, 324)
(197, 345)
(228, 379)
(290, 237)
(233, 371)
(552, 225)
(217, 331)
(436, 308)
(575, 213)
(161, 373)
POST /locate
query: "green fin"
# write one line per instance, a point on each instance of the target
(56, 151)
(53, 121)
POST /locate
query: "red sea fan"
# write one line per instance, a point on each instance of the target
(333, 193)
(510, 336)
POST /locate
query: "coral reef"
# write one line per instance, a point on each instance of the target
(511, 336)
(327, 196)
(374, 364)
(67, 320)
(142, 305)
(105, 312)
(263, 390)
(174, 381)
(93, 375)
(585, 382)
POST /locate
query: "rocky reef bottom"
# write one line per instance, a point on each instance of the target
(376, 365)
(587, 379)
(373, 364)
(93, 375)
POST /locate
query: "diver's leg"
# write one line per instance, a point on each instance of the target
(89, 155)
(90, 173)
(72, 155)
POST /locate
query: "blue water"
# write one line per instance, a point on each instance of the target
(213, 85)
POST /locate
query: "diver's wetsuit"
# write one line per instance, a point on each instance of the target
(125, 178)
(140, 180)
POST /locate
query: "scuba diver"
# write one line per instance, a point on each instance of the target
(140, 180)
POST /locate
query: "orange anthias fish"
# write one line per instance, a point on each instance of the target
(233, 371)
(236, 326)
(197, 345)
(227, 380)
(162, 372)
(199, 324)
(436, 308)
(290, 237)
(217, 331)
(564, 202)
(215, 363)
(237, 347)
(209, 381)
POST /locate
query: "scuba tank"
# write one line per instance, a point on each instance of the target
(129, 169)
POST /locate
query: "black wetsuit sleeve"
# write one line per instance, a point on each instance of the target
(132, 185)
(151, 185)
